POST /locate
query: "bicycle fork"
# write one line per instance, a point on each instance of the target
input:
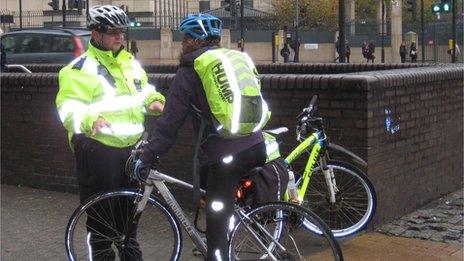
(329, 179)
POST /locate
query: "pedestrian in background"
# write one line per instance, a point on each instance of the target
(403, 52)
(364, 50)
(348, 52)
(413, 52)
(102, 100)
(370, 52)
(457, 52)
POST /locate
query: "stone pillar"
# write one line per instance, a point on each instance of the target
(351, 14)
(225, 38)
(396, 30)
(280, 45)
(166, 44)
(379, 17)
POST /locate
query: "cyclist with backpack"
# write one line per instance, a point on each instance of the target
(223, 86)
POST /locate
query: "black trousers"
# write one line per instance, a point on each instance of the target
(222, 181)
(101, 168)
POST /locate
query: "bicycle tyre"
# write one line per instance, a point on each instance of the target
(156, 216)
(360, 207)
(284, 221)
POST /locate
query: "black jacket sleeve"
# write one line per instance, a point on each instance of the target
(176, 109)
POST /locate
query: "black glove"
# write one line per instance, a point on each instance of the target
(142, 170)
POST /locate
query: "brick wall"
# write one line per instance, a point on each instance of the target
(418, 163)
(422, 157)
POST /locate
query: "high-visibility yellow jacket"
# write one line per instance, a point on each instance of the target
(97, 84)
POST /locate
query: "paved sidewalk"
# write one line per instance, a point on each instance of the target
(33, 223)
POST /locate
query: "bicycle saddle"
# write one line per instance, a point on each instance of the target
(278, 131)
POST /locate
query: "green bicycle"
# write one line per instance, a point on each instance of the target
(340, 193)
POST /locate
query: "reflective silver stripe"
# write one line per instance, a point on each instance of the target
(78, 117)
(117, 103)
(149, 88)
(264, 112)
(253, 81)
(271, 147)
(137, 74)
(78, 110)
(123, 129)
(265, 108)
(229, 70)
(89, 246)
(251, 65)
(71, 106)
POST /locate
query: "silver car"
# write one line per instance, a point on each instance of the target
(59, 46)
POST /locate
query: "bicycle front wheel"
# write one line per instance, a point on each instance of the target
(355, 201)
(275, 231)
(106, 228)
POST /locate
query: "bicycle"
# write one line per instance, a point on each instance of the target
(340, 193)
(272, 231)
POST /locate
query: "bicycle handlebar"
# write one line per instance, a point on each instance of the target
(308, 109)
(311, 103)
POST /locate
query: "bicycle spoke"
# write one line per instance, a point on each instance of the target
(354, 201)
(111, 239)
(287, 230)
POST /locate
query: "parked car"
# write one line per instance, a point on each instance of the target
(44, 45)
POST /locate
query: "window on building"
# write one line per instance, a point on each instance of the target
(204, 6)
(248, 3)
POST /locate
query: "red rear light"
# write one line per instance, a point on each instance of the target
(247, 183)
(78, 48)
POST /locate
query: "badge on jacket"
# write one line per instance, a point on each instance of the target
(138, 84)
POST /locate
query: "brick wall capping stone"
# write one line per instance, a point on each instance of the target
(359, 80)
(269, 68)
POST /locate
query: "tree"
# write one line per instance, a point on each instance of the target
(314, 14)
(366, 10)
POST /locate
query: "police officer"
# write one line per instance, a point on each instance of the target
(102, 100)
(230, 158)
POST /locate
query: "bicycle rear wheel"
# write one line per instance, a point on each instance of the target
(275, 231)
(104, 228)
(355, 204)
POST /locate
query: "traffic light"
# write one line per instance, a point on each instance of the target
(443, 7)
(436, 8)
(55, 4)
(446, 6)
(231, 7)
(134, 23)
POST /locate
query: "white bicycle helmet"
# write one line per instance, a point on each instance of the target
(103, 17)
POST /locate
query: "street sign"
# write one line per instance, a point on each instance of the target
(311, 46)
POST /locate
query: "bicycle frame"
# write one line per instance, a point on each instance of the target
(317, 142)
(158, 179)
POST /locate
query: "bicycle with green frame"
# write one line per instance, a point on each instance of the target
(339, 192)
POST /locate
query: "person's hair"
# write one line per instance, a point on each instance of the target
(189, 44)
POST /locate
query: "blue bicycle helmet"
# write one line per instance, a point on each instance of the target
(201, 26)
